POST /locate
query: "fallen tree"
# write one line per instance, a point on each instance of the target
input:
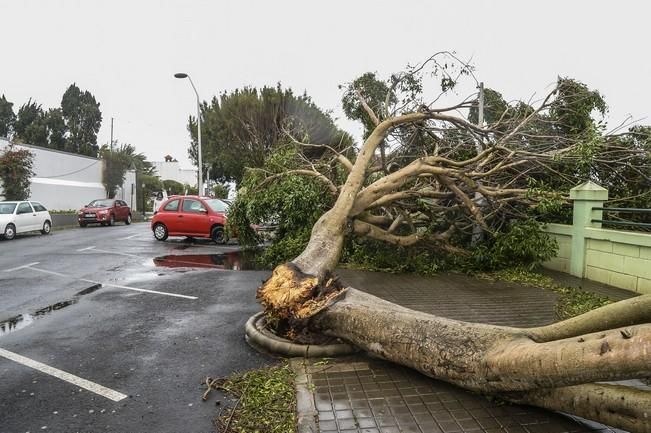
(481, 172)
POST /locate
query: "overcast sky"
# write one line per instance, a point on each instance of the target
(126, 52)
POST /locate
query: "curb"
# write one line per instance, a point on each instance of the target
(260, 338)
(306, 413)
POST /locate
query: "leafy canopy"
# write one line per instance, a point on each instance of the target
(242, 128)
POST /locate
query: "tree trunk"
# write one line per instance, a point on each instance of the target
(504, 361)
(551, 367)
(547, 366)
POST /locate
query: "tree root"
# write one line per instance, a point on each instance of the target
(290, 298)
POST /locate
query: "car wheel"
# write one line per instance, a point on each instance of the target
(10, 232)
(160, 232)
(46, 228)
(128, 221)
(82, 224)
(111, 220)
(218, 236)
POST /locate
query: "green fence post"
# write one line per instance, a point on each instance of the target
(586, 196)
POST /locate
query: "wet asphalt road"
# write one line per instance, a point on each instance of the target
(153, 346)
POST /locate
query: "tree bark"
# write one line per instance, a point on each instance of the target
(504, 361)
(552, 367)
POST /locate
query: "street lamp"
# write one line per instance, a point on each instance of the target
(199, 165)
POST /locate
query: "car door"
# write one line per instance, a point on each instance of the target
(117, 210)
(26, 219)
(125, 210)
(170, 215)
(195, 217)
(42, 214)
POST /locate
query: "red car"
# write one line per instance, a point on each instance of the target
(191, 216)
(106, 211)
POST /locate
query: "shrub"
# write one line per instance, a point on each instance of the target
(16, 173)
(523, 243)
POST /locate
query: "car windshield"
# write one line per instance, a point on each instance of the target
(217, 205)
(7, 208)
(100, 203)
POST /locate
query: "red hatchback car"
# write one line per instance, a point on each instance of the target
(105, 212)
(191, 216)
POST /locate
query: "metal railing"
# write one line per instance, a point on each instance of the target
(629, 210)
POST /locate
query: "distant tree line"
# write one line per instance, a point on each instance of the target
(72, 127)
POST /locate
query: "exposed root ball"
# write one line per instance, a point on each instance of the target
(293, 295)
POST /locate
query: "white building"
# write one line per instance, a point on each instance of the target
(66, 181)
(170, 169)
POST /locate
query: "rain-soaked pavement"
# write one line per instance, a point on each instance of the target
(361, 394)
(104, 329)
(108, 330)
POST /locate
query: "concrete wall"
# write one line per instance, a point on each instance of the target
(66, 181)
(619, 260)
(63, 180)
(128, 190)
(172, 171)
(585, 249)
(563, 236)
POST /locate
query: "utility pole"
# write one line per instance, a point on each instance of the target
(111, 134)
(480, 116)
(477, 232)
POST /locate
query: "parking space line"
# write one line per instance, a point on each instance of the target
(65, 376)
(117, 252)
(21, 267)
(129, 237)
(45, 271)
(87, 248)
(135, 289)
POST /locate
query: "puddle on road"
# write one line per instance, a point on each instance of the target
(15, 323)
(23, 320)
(233, 261)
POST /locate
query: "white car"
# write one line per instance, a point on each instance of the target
(23, 216)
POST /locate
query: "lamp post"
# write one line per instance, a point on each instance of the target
(144, 201)
(199, 165)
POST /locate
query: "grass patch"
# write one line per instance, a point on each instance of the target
(572, 301)
(265, 401)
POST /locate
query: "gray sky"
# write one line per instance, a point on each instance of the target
(126, 52)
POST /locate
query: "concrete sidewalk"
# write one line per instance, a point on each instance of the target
(362, 394)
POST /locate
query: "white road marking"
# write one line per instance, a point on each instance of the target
(45, 271)
(87, 248)
(65, 376)
(21, 267)
(135, 289)
(117, 252)
(129, 237)
(139, 290)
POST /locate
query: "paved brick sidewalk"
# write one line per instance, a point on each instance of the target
(364, 395)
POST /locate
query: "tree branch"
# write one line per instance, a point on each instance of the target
(367, 108)
(633, 311)
(313, 173)
(340, 157)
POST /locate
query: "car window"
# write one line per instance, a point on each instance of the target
(24, 208)
(7, 208)
(217, 205)
(123, 203)
(172, 206)
(38, 207)
(190, 205)
(101, 203)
